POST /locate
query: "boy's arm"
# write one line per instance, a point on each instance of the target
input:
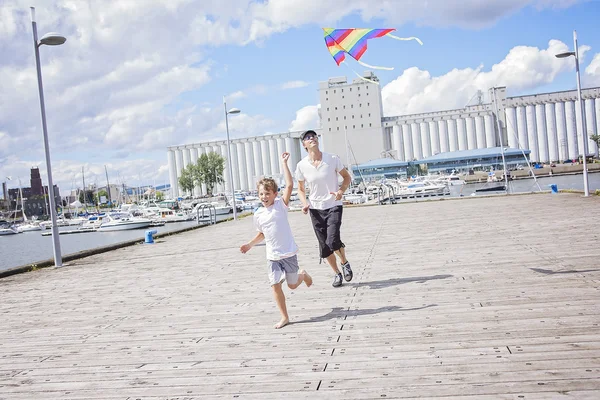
(289, 182)
(257, 239)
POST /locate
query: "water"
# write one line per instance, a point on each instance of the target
(30, 247)
(528, 185)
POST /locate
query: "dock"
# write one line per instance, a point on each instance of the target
(474, 298)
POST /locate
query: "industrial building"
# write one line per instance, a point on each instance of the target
(549, 126)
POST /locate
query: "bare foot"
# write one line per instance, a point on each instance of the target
(282, 323)
(307, 278)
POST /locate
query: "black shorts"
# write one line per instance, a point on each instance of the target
(326, 224)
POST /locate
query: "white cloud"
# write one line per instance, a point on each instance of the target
(591, 76)
(236, 96)
(306, 118)
(294, 85)
(523, 68)
(117, 89)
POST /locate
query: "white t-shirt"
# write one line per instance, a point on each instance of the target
(321, 181)
(273, 223)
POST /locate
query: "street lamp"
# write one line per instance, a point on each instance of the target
(227, 112)
(50, 39)
(586, 188)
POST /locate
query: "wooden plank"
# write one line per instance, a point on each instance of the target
(439, 307)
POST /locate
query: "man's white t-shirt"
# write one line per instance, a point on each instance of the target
(273, 222)
(321, 181)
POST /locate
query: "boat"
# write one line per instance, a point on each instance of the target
(8, 230)
(167, 215)
(26, 225)
(450, 180)
(29, 227)
(121, 222)
(220, 208)
(93, 222)
(423, 188)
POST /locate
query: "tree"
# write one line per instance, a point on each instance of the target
(160, 196)
(209, 170)
(186, 180)
(86, 197)
(412, 169)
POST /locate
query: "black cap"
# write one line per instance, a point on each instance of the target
(307, 132)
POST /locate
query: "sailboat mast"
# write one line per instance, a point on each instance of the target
(84, 194)
(347, 147)
(505, 170)
(108, 186)
(22, 202)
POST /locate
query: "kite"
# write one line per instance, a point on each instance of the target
(354, 42)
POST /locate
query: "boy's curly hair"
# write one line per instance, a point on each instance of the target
(268, 184)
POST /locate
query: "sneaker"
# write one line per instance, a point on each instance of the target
(347, 271)
(337, 281)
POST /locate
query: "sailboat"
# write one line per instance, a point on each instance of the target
(27, 225)
(7, 228)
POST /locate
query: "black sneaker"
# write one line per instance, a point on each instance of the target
(347, 271)
(337, 281)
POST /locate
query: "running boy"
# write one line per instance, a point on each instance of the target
(271, 222)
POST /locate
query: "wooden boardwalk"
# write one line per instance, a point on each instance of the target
(488, 298)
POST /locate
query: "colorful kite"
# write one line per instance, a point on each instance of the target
(354, 42)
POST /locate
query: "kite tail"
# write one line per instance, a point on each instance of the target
(359, 75)
(409, 38)
(374, 66)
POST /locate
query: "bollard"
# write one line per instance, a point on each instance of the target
(149, 238)
(554, 188)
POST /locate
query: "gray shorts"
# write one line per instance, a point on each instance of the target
(284, 269)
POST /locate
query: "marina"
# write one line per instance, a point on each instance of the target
(446, 307)
(31, 247)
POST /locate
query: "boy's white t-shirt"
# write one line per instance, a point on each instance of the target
(321, 181)
(273, 223)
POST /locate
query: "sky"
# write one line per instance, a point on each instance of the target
(135, 77)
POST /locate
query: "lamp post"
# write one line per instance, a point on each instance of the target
(227, 112)
(586, 188)
(50, 39)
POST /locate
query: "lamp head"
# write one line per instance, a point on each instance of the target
(565, 55)
(52, 39)
(233, 111)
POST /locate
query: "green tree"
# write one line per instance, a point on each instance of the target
(209, 170)
(160, 196)
(186, 180)
(412, 169)
(86, 197)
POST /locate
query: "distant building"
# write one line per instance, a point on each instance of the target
(379, 169)
(37, 188)
(351, 114)
(34, 204)
(478, 160)
(352, 125)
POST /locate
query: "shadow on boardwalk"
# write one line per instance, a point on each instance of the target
(338, 312)
(550, 272)
(401, 281)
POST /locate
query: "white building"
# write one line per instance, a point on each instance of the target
(251, 159)
(353, 126)
(351, 113)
